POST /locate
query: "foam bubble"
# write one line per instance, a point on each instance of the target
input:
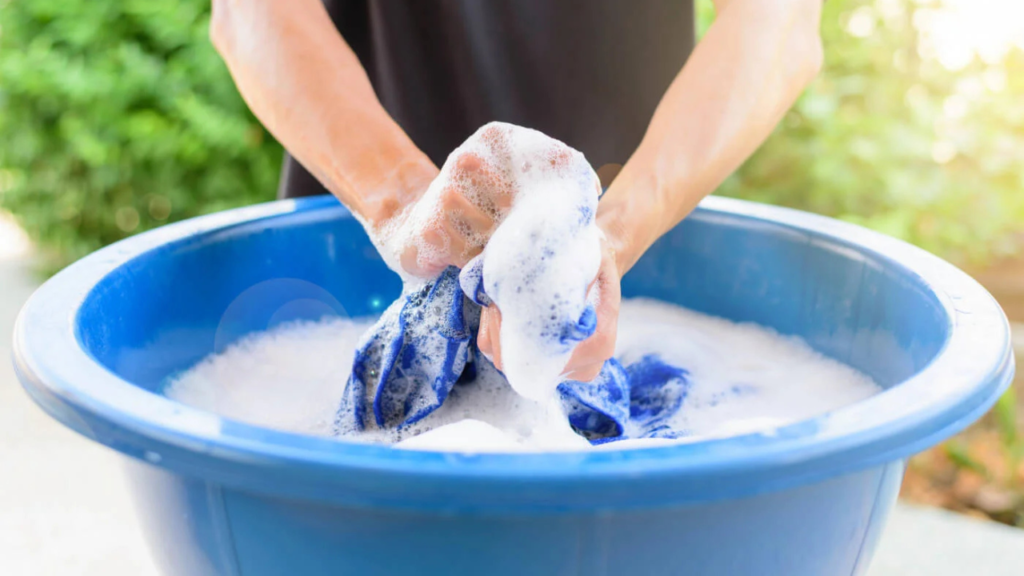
(467, 435)
(289, 378)
(746, 377)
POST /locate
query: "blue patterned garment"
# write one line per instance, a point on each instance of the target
(598, 410)
(635, 401)
(656, 392)
(410, 359)
(425, 344)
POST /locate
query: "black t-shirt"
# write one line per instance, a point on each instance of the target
(587, 72)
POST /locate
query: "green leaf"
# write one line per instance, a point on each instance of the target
(959, 455)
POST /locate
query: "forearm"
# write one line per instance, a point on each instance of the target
(747, 71)
(305, 84)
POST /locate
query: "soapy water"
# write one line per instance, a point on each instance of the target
(537, 264)
(742, 378)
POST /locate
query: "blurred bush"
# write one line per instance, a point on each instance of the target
(117, 117)
(903, 135)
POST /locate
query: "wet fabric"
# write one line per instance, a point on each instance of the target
(425, 344)
(634, 401)
(411, 358)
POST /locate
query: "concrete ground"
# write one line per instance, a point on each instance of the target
(64, 509)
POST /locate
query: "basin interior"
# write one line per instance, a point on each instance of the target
(165, 310)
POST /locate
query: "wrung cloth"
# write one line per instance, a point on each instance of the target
(425, 344)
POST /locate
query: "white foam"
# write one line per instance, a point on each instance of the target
(289, 378)
(542, 257)
(538, 262)
(292, 378)
(537, 293)
(467, 435)
(746, 377)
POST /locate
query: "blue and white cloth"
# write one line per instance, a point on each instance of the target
(425, 344)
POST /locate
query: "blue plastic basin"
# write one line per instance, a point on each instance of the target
(216, 496)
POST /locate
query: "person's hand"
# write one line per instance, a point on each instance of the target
(454, 219)
(588, 358)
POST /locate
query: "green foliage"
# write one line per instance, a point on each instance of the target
(1011, 435)
(889, 138)
(960, 455)
(117, 117)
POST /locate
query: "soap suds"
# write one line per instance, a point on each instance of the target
(744, 378)
(288, 378)
(539, 261)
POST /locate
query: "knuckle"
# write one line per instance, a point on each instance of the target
(492, 131)
(604, 344)
(451, 197)
(467, 162)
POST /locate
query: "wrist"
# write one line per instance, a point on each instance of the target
(653, 192)
(629, 216)
(384, 194)
(377, 175)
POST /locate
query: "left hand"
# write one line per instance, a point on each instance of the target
(589, 357)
